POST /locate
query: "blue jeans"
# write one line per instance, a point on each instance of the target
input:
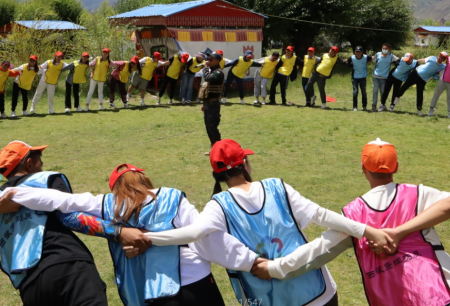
(187, 82)
(378, 84)
(362, 82)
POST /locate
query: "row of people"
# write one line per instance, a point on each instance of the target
(253, 228)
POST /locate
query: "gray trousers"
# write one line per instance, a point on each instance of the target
(378, 84)
(260, 85)
(440, 87)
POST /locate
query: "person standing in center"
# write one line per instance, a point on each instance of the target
(76, 76)
(383, 61)
(264, 74)
(193, 66)
(359, 73)
(309, 62)
(172, 73)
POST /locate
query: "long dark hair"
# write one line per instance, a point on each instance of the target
(138, 67)
(35, 68)
(101, 59)
(228, 174)
(81, 62)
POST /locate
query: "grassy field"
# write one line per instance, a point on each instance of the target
(316, 151)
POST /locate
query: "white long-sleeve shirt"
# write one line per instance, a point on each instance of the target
(44, 67)
(332, 243)
(212, 219)
(218, 247)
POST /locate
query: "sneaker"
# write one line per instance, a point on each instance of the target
(256, 102)
(13, 114)
(207, 153)
(382, 108)
(125, 105)
(101, 107)
(142, 103)
(263, 101)
(128, 97)
(355, 109)
(431, 112)
(3, 115)
(324, 105)
(374, 108)
(290, 103)
(224, 100)
(32, 109)
(183, 101)
(313, 100)
(24, 113)
(242, 101)
(170, 101)
(158, 102)
(111, 104)
(51, 111)
(396, 100)
(79, 109)
(391, 108)
(86, 109)
(419, 113)
(67, 111)
(188, 101)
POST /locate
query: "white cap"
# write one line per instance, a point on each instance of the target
(443, 53)
(379, 142)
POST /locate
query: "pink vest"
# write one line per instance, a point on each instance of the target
(412, 276)
(446, 76)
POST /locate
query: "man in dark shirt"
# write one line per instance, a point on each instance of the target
(211, 105)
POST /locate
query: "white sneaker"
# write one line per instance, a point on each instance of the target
(170, 102)
(224, 100)
(100, 107)
(24, 113)
(391, 108)
(79, 109)
(86, 109)
(242, 101)
(419, 113)
(382, 108)
(355, 109)
(51, 111)
(263, 101)
(256, 102)
(396, 100)
(67, 111)
(183, 101)
(158, 102)
(32, 109)
(431, 112)
(3, 115)
(128, 97)
(13, 114)
(111, 104)
(142, 103)
(324, 105)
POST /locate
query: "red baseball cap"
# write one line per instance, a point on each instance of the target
(228, 152)
(12, 155)
(84, 54)
(335, 49)
(185, 58)
(135, 59)
(312, 49)
(379, 156)
(59, 53)
(290, 48)
(34, 57)
(106, 50)
(220, 52)
(157, 55)
(115, 174)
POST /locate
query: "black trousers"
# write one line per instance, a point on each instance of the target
(239, 82)
(211, 113)
(112, 87)
(321, 80)
(414, 79)
(75, 283)
(391, 82)
(202, 293)
(283, 80)
(173, 85)
(2, 103)
(15, 97)
(76, 95)
(362, 84)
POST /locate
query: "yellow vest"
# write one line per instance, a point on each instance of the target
(3, 78)
(241, 67)
(174, 68)
(222, 63)
(100, 70)
(308, 66)
(53, 72)
(195, 63)
(288, 65)
(268, 68)
(26, 78)
(148, 69)
(326, 65)
(79, 73)
(125, 73)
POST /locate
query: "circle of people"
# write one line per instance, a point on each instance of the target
(407, 71)
(162, 248)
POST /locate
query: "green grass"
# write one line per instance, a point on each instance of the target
(316, 151)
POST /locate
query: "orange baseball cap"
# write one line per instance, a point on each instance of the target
(219, 51)
(335, 49)
(85, 54)
(59, 53)
(116, 174)
(106, 50)
(135, 59)
(290, 48)
(185, 58)
(12, 155)
(379, 156)
(229, 152)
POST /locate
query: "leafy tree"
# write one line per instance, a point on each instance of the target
(8, 9)
(428, 22)
(68, 10)
(35, 10)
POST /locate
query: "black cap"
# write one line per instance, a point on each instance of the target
(215, 55)
(358, 49)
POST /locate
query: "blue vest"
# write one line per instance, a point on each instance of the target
(359, 66)
(156, 273)
(383, 65)
(22, 233)
(403, 70)
(271, 232)
(430, 69)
